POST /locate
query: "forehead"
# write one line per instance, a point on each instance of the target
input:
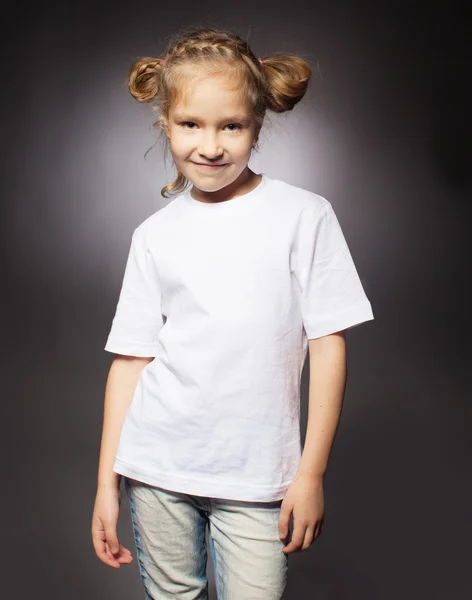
(215, 93)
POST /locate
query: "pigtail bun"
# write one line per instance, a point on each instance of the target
(288, 76)
(143, 78)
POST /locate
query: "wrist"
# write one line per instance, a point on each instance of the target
(112, 483)
(312, 472)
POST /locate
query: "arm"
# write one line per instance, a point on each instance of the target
(304, 497)
(121, 384)
(328, 373)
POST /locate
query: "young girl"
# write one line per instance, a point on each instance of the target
(225, 290)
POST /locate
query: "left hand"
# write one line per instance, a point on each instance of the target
(305, 498)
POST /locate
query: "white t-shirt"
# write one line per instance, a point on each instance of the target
(225, 296)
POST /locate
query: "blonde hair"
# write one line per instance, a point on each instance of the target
(276, 84)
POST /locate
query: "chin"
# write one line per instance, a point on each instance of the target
(216, 187)
(209, 183)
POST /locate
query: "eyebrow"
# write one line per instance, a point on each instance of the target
(230, 118)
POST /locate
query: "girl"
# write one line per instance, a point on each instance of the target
(224, 291)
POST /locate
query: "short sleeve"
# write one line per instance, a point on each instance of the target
(138, 317)
(332, 296)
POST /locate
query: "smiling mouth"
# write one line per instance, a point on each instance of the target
(212, 166)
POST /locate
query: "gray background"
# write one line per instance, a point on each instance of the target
(385, 136)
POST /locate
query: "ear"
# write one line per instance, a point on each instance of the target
(165, 126)
(256, 138)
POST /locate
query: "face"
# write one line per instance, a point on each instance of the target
(211, 132)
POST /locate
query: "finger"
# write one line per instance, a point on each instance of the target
(122, 559)
(112, 539)
(106, 558)
(284, 520)
(125, 560)
(101, 549)
(296, 542)
(112, 559)
(123, 555)
(309, 537)
(110, 554)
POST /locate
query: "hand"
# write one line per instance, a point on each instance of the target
(305, 499)
(104, 520)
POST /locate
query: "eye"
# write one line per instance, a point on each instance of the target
(190, 125)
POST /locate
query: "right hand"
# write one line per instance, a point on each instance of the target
(104, 521)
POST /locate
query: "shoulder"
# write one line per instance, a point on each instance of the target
(158, 221)
(307, 204)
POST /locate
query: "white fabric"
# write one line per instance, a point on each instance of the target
(242, 285)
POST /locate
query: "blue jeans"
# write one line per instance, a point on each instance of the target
(169, 533)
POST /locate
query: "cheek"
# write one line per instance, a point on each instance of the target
(242, 147)
(178, 146)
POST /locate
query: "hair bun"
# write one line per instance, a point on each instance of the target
(143, 78)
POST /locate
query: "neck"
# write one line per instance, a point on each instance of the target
(243, 184)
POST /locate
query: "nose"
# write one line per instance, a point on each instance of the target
(209, 146)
